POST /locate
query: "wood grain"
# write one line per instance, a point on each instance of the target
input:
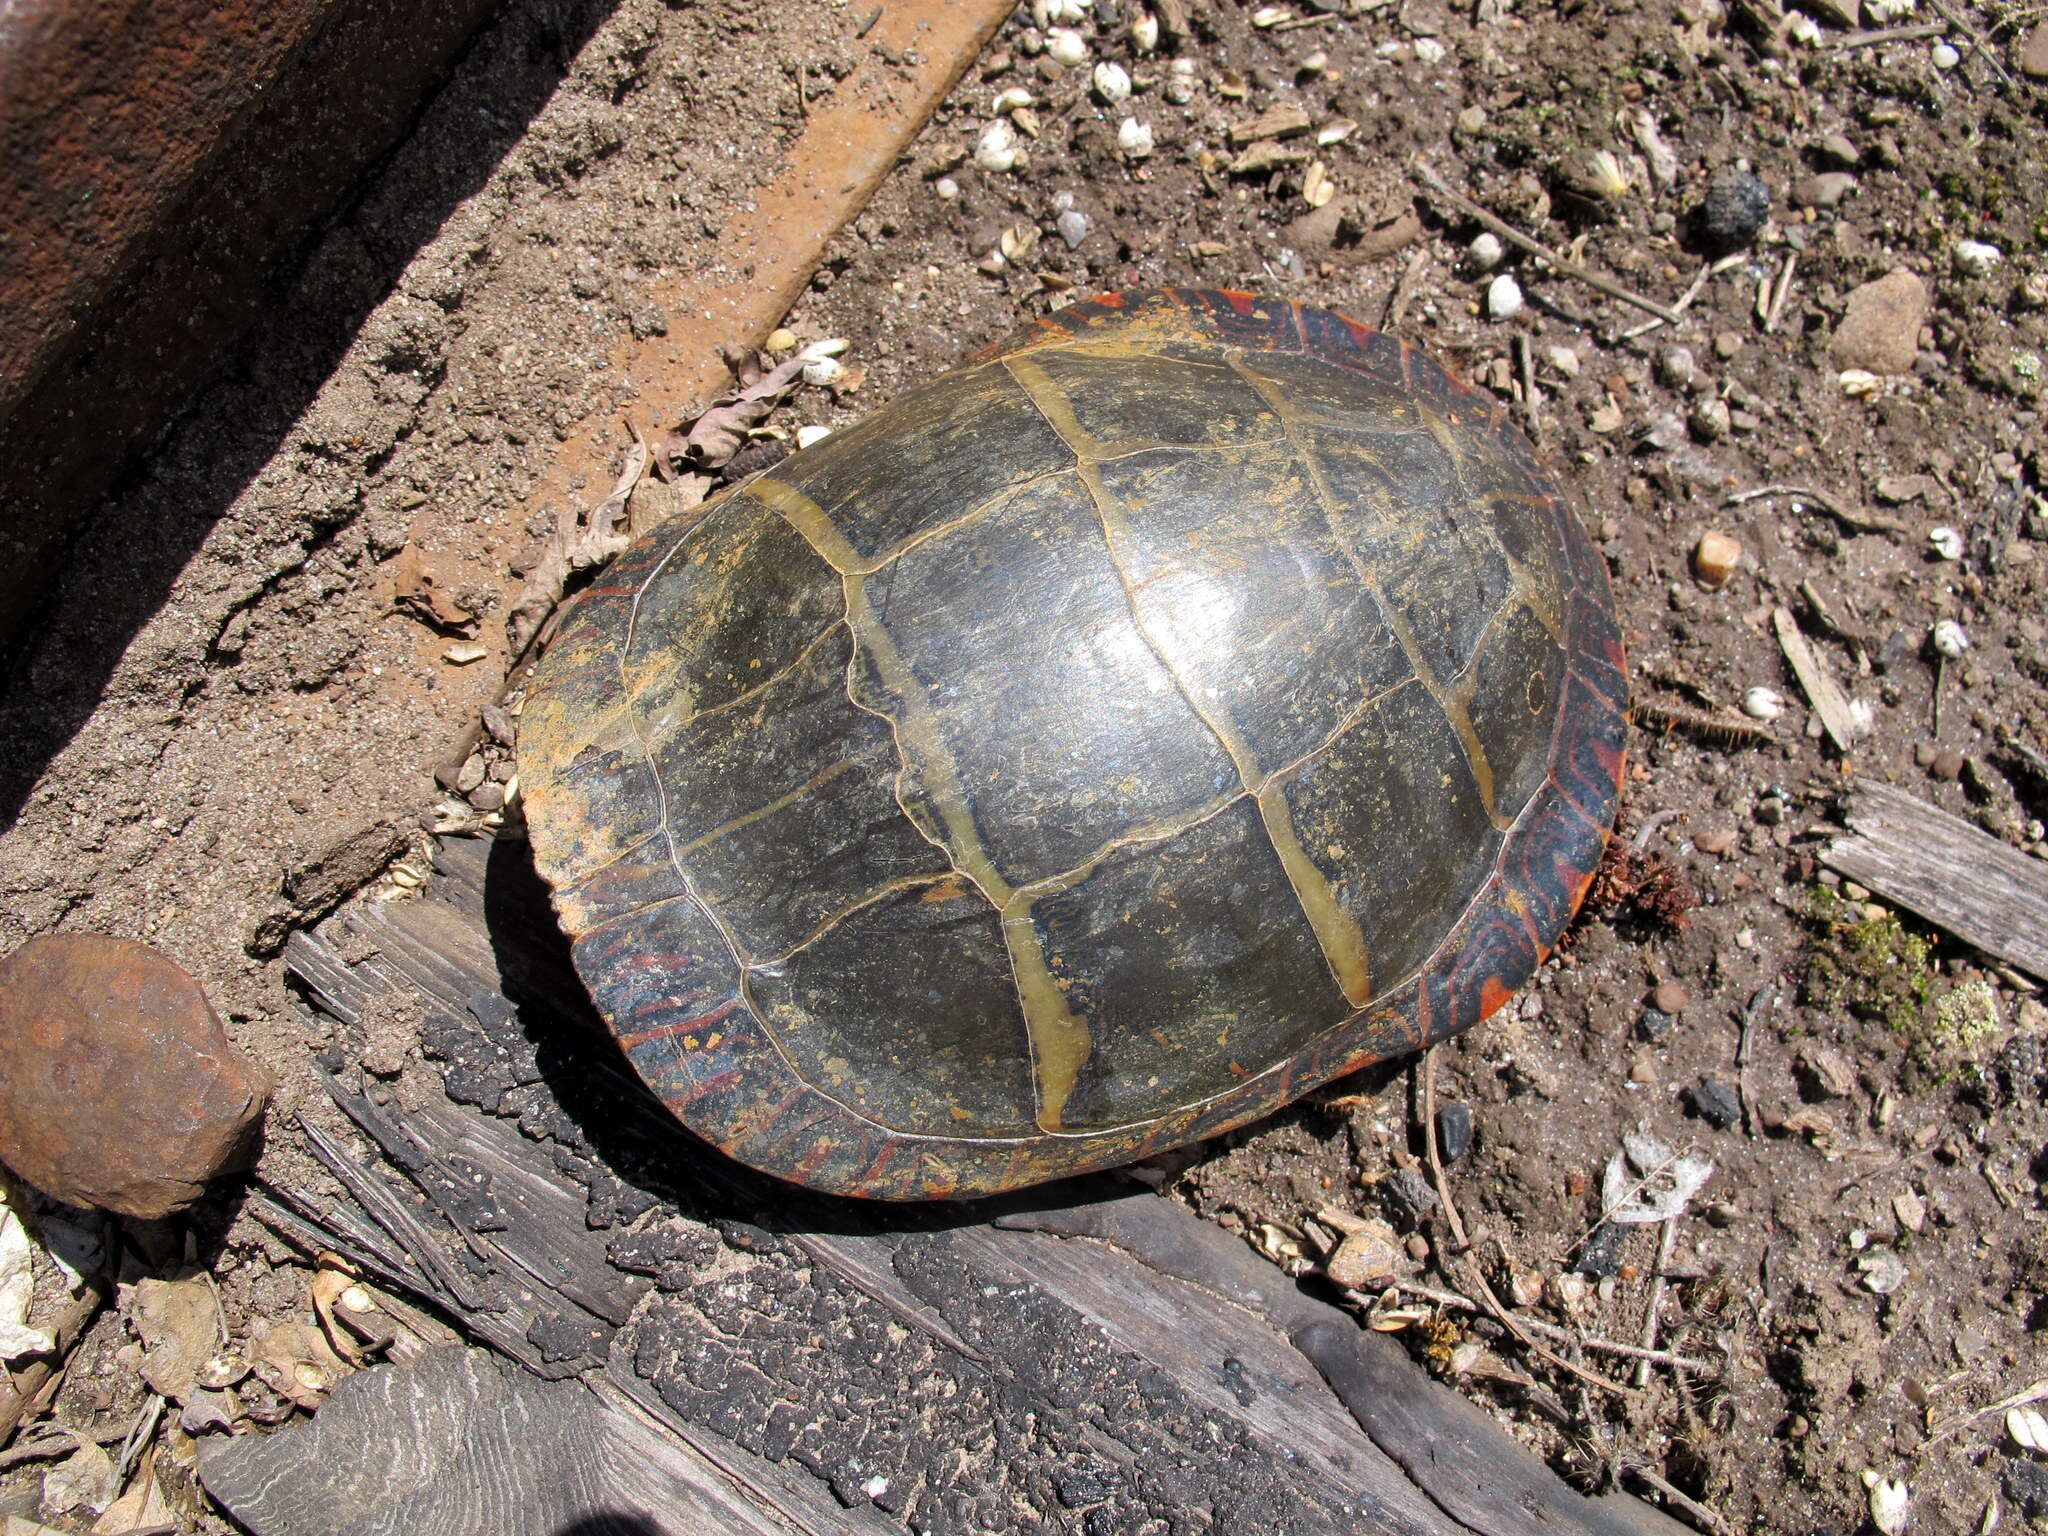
(458, 1445)
(1945, 870)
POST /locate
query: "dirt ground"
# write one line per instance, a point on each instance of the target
(224, 684)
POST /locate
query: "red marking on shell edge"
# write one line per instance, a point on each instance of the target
(702, 1021)
(716, 1083)
(1111, 300)
(1361, 335)
(1241, 302)
(1491, 995)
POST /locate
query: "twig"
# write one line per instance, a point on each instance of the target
(1657, 1283)
(1679, 307)
(1912, 34)
(1691, 1506)
(1404, 289)
(1436, 1164)
(1607, 285)
(1459, 1303)
(20, 1393)
(1862, 522)
(1760, 1003)
(1513, 1324)
(1969, 32)
(2027, 1394)
(1784, 290)
(1524, 356)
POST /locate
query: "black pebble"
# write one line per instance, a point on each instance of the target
(1601, 1256)
(1408, 1197)
(1454, 1131)
(1736, 205)
(1716, 1103)
(1656, 1026)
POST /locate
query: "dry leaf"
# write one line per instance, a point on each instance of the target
(295, 1361)
(178, 1324)
(1646, 1181)
(82, 1480)
(418, 590)
(144, 1507)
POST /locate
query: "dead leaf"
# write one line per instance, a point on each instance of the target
(205, 1411)
(714, 437)
(1646, 1181)
(144, 1507)
(178, 1324)
(82, 1480)
(295, 1361)
(418, 590)
(577, 544)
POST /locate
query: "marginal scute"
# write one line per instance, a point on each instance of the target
(1091, 751)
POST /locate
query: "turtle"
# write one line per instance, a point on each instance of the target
(1188, 700)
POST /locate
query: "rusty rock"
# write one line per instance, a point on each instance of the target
(1880, 329)
(118, 1088)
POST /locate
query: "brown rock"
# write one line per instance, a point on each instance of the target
(118, 1088)
(1669, 997)
(1715, 559)
(2034, 56)
(1822, 191)
(1880, 328)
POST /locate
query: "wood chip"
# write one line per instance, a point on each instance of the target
(1945, 870)
(1277, 123)
(1837, 717)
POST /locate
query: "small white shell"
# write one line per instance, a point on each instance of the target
(1316, 186)
(1763, 703)
(805, 436)
(1144, 32)
(1888, 1500)
(946, 189)
(1429, 51)
(1949, 639)
(1112, 83)
(1485, 252)
(1058, 13)
(1945, 56)
(1010, 100)
(1134, 138)
(2028, 1428)
(1180, 82)
(823, 371)
(1859, 383)
(1946, 542)
(1066, 46)
(997, 150)
(1271, 16)
(1504, 297)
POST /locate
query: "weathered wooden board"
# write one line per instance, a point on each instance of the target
(960, 1375)
(457, 1445)
(1944, 869)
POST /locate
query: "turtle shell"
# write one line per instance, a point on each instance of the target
(1190, 700)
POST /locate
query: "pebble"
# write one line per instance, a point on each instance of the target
(1880, 326)
(1073, 226)
(1669, 997)
(118, 1088)
(1716, 558)
(2034, 54)
(1676, 367)
(1656, 1025)
(1454, 1131)
(1727, 344)
(1716, 1103)
(1977, 257)
(1485, 251)
(1709, 421)
(1134, 139)
(1734, 210)
(1822, 191)
(1368, 1258)
(1945, 56)
(1947, 766)
(1504, 297)
(1836, 149)
(1716, 842)
(2026, 1482)
(1946, 542)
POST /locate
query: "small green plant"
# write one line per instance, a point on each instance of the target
(1868, 963)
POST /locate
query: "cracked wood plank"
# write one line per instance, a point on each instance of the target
(1943, 869)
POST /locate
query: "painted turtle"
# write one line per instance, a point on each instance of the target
(1190, 700)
